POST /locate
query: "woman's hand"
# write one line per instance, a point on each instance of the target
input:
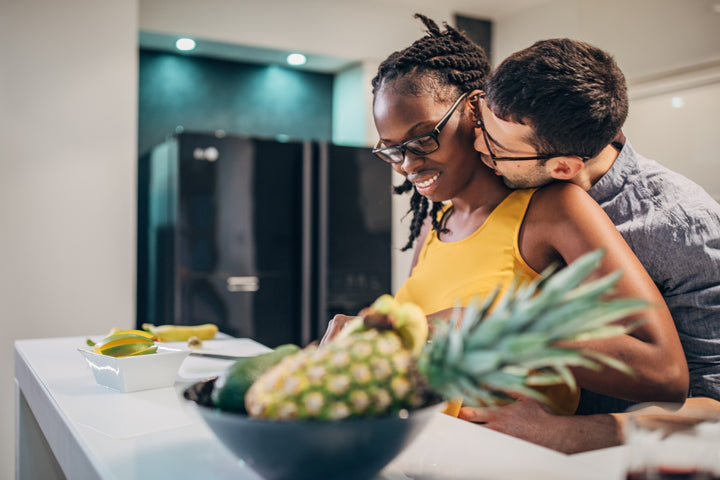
(334, 326)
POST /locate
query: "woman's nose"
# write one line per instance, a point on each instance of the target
(410, 162)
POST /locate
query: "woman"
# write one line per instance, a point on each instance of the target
(479, 233)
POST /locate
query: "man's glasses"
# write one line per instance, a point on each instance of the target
(420, 145)
(489, 141)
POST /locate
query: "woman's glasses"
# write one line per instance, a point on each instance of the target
(420, 145)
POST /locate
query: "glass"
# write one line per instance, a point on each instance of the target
(665, 443)
(421, 145)
(489, 141)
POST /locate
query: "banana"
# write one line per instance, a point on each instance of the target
(181, 333)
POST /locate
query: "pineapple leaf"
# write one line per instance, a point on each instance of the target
(479, 362)
(541, 379)
(609, 361)
(487, 333)
(601, 332)
(476, 396)
(594, 289)
(522, 345)
(472, 312)
(551, 319)
(570, 277)
(599, 315)
(566, 375)
(454, 346)
(559, 356)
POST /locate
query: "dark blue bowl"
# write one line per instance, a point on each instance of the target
(299, 450)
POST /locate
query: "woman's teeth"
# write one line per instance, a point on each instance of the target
(428, 182)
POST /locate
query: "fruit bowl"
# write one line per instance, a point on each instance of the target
(133, 373)
(311, 449)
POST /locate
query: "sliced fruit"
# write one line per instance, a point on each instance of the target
(150, 349)
(127, 349)
(123, 338)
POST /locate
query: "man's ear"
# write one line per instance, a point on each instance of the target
(564, 168)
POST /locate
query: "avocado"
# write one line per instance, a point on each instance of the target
(230, 387)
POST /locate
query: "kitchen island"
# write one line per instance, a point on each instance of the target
(68, 426)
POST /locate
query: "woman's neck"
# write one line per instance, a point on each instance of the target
(484, 191)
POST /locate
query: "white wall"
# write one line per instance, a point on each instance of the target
(68, 96)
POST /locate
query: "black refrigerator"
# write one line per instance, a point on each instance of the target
(267, 239)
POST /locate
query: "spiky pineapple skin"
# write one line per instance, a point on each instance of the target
(366, 374)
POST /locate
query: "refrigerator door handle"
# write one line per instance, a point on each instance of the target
(243, 284)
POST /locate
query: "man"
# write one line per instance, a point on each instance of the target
(553, 112)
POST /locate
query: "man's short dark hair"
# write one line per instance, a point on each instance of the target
(571, 93)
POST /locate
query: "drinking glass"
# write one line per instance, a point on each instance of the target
(667, 442)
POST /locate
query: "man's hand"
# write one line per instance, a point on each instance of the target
(533, 421)
(336, 324)
(525, 418)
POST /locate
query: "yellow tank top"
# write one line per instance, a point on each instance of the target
(448, 273)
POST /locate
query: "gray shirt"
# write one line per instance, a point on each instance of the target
(673, 226)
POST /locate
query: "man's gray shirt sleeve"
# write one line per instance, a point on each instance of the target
(673, 226)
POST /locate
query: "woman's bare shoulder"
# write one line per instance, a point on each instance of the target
(559, 202)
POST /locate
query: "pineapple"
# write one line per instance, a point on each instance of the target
(381, 363)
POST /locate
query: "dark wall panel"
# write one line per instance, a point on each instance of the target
(477, 30)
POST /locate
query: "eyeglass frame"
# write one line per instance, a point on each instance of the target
(481, 124)
(434, 133)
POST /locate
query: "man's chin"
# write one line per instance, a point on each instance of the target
(525, 183)
(513, 184)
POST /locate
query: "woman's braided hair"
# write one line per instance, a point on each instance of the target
(439, 60)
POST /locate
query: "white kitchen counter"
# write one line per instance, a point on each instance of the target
(89, 431)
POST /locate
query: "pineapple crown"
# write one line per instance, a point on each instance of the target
(487, 354)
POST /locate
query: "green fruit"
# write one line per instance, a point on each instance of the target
(229, 391)
(151, 349)
(126, 349)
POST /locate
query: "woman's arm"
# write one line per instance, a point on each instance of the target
(563, 223)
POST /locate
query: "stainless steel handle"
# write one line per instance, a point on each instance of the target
(243, 284)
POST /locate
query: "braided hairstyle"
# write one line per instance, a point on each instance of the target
(445, 63)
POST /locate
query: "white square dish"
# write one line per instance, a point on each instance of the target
(141, 372)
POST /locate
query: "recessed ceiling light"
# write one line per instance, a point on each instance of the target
(185, 44)
(677, 102)
(296, 59)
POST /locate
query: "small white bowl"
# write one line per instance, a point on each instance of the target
(141, 372)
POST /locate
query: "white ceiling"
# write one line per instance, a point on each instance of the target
(489, 9)
(485, 9)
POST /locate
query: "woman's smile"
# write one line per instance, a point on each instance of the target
(424, 184)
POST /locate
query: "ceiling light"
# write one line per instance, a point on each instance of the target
(296, 59)
(185, 44)
(677, 102)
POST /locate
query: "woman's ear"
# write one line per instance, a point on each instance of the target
(473, 100)
(564, 168)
